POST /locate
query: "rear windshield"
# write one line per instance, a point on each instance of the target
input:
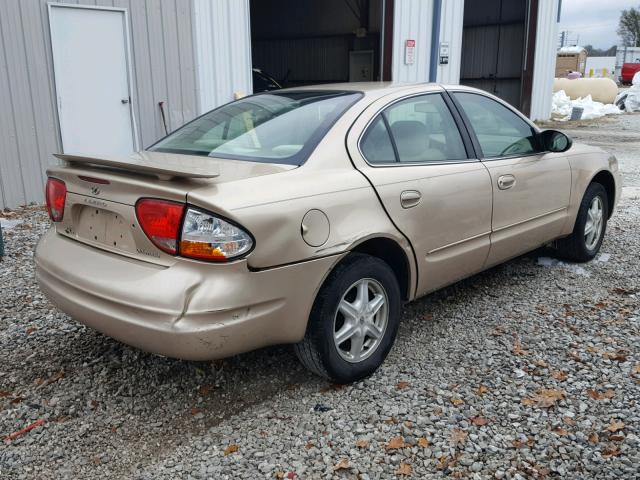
(273, 127)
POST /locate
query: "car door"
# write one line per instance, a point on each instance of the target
(439, 196)
(531, 187)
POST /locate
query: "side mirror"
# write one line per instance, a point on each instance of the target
(555, 141)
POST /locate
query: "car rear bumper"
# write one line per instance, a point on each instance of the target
(190, 310)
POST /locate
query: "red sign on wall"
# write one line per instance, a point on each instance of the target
(409, 52)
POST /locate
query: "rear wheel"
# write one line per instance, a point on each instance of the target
(588, 233)
(354, 320)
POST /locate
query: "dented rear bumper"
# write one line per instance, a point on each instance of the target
(189, 310)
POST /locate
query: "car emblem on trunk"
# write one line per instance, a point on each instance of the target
(95, 190)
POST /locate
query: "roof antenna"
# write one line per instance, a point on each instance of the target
(164, 118)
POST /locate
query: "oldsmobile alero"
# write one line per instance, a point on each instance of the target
(309, 215)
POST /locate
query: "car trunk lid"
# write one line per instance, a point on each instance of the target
(102, 193)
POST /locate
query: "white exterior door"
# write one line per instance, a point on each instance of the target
(90, 58)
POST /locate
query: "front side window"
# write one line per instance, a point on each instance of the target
(275, 127)
(421, 128)
(500, 131)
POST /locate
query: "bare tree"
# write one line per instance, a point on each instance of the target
(600, 52)
(629, 27)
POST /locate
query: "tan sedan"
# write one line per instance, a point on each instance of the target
(308, 216)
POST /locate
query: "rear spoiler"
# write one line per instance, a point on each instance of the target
(162, 165)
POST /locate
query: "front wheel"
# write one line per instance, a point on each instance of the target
(354, 320)
(588, 233)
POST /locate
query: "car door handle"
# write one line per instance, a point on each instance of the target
(410, 198)
(506, 181)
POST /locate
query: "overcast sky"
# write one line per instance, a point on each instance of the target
(594, 21)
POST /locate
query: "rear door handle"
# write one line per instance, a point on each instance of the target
(506, 181)
(410, 198)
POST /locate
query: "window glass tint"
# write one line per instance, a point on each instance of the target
(282, 127)
(376, 144)
(424, 130)
(499, 130)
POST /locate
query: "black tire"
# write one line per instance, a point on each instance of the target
(317, 351)
(574, 247)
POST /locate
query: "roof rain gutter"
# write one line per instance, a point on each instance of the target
(435, 40)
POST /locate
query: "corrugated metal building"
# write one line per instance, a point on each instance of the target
(114, 75)
(162, 63)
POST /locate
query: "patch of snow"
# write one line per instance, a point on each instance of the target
(571, 49)
(548, 261)
(8, 224)
(577, 269)
(571, 267)
(604, 257)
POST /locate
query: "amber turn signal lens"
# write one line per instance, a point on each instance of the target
(200, 250)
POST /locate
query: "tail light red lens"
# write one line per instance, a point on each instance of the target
(55, 195)
(160, 220)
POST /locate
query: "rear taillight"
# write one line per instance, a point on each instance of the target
(160, 220)
(207, 237)
(55, 194)
(189, 232)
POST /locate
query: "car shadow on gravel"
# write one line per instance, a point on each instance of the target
(184, 390)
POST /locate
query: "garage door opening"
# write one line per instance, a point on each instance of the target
(497, 48)
(298, 43)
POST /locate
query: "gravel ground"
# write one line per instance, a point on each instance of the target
(529, 370)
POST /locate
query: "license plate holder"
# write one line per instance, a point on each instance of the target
(105, 227)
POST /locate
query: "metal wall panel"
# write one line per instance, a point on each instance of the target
(451, 33)
(309, 60)
(308, 18)
(311, 43)
(223, 51)
(479, 47)
(544, 60)
(412, 19)
(162, 46)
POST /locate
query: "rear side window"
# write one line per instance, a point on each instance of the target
(376, 144)
(420, 128)
(500, 131)
(275, 127)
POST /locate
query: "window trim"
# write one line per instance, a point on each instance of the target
(387, 127)
(474, 137)
(466, 139)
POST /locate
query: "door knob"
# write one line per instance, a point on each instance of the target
(124, 101)
(506, 181)
(410, 198)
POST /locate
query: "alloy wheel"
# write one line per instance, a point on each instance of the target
(361, 320)
(593, 225)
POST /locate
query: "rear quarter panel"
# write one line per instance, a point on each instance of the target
(273, 208)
